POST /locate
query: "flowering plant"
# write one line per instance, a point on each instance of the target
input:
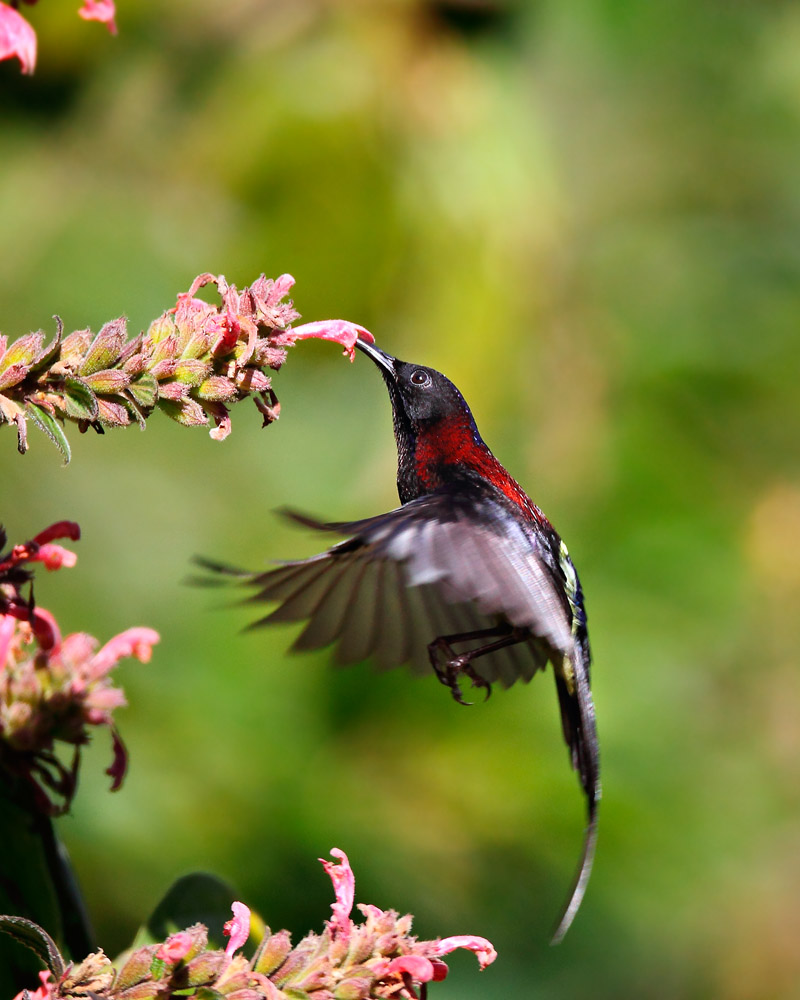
(378, 958)
(195, 360)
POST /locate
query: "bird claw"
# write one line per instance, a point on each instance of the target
(449, 673)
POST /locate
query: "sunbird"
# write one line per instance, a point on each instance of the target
(467, 578)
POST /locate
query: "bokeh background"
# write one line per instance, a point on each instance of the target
(587, 215)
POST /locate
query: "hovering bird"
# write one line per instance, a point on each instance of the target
(467, 577)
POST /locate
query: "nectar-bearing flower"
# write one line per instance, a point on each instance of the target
(54, 689)
(193, 363)
(377, 959)
(17, 38)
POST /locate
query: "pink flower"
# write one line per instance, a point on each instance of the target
(61, 529)
(176, 947)
(45, 628)
(341, 331)
(237, 928)
(416, 966)
(55, 556)
(137, 642)
(484, 950)
(344, 885)
(100, 10)
(44, 992)
(8, 626)
(17, 38)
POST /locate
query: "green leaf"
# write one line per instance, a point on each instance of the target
(34, 937)
(48, 425)
(79, 400)
(196, 898)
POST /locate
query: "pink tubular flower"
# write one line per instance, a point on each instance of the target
(344, 885)
(484, 950)
(17, 38)
(100, 10)
(176, 947)
(341, 331)
(136, 642)
(416, 966)
(237, 928)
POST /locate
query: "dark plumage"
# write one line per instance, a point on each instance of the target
(466, 577)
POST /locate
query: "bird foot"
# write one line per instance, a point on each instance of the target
(453, 669)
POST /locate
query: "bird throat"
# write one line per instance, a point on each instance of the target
(450, 448)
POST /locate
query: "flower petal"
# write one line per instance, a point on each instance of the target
(417, 966)
(238, 928)
(55, 556)
(344, 885)
(17, 38)
(136, 642)
(339, 330)
(100, 10)
(8, 625)
(484, 950)
(176, 947)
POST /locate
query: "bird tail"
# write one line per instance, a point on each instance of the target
(580, 732)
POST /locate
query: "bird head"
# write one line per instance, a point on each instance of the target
(422, 395)
(433, 424)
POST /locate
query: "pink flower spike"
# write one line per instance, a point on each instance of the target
(237, 928)
(417, 966)
(344, 885)
(55, 556)
(338, 330)
(136, 642)
(176, 947)
(100, 10)
(484, 950)
(17, 38)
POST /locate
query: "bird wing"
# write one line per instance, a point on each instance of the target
(438, 566)
(449, 569)
(433, 567)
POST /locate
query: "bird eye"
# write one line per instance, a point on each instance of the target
(420, 377)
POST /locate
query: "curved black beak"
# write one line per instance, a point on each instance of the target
(383, 360)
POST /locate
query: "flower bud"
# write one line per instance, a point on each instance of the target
(356, 988)
(272, 952)
(108, 380)
(205, 968)
(136, 968)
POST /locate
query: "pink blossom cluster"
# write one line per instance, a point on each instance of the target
(194, 362)
(54, 688)
(18, 39)
(375, 960)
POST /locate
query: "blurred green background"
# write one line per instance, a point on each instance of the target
(588, 215)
